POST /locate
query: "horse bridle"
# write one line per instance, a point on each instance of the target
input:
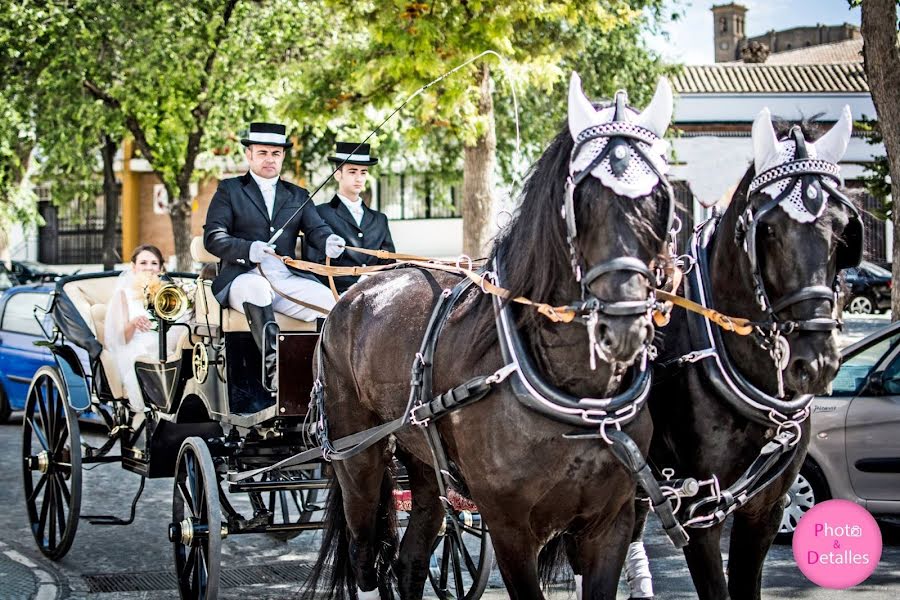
(814, 176)
(622, 136)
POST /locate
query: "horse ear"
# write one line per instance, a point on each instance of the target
(581, 112)
(658, 114)
(765, 142)
(833, 145)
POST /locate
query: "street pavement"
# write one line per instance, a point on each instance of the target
(137, 559)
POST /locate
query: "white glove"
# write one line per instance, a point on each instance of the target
(334, 246)
(258, 250)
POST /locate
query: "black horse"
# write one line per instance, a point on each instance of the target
(719, 398)
(530, 484)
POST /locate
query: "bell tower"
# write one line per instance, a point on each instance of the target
(728, 31)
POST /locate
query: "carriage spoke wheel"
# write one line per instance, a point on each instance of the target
(292, 506)
(196, 528)
(51, 464)
(462, 558)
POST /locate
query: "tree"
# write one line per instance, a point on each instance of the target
(401, 46)
(881, 52)
(189, 75)
(62, 123)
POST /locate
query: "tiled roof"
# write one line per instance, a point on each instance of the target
(847, 51)
(731, 78)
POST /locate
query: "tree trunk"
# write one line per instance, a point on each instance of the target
(478, 178)
(180, 214)
(882, 60)
(110, 205)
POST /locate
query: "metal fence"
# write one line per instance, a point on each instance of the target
(73, 236)
(416, 197)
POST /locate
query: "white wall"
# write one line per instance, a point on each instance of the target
(435, 238)
(743, 108)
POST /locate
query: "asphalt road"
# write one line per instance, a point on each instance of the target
(137, 559)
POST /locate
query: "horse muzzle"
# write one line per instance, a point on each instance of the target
(811, 367)
(621, 339)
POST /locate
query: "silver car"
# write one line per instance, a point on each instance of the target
(854, 452)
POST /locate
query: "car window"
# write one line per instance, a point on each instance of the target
(875, 269)
(853, 372)
(891, 376)
(18, 316)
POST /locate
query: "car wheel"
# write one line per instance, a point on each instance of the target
(5, 408)
(861, 305)
(808, 489)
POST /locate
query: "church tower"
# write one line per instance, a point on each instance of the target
(728, 30)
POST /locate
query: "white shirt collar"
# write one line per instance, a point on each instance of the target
(264, 182)
(351, 205)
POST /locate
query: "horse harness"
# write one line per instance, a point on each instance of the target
(622, 137)
(781, 415)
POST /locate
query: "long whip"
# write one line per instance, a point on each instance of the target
(440, 78)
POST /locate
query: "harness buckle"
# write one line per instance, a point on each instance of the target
(501, 374)
(414, 420)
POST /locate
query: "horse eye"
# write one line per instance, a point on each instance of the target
(768, 230)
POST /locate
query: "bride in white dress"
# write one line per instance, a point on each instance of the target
(129, 331)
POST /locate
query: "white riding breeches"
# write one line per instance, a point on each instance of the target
(254, 288)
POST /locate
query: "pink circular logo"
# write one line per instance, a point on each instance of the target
(837, 544)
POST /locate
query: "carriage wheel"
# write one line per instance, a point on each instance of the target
(196, 528)
(292, 506)
(462, 558)
(51, 465)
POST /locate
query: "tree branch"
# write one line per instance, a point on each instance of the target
(201, 111)
(131, 122)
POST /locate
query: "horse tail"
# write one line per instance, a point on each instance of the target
(552, 560)
(334, 551)
(333, 562)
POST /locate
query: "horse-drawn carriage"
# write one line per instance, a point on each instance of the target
(555, 447)
(210, 419)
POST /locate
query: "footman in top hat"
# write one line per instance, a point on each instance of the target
(244, 215)
(348, 215)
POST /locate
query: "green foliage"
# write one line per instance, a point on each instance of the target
(877, 176)
(397, 46)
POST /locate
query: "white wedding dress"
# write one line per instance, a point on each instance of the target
(126, 304)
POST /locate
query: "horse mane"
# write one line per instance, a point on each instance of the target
(533, 247)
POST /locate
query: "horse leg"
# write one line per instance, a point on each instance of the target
(751, 537)
(516, 553)
(637, 565)
(602, 554)
(424, 523)
(704, 559)
(367, 488)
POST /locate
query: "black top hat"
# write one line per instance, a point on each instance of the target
(349, 153)
(267, 134)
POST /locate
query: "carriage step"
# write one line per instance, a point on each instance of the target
(113, 520)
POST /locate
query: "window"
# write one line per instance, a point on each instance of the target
(412, 196)
(18, 316)
(890, 377)
(723, 25)
(853, 373)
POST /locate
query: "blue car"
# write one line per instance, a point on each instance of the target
(20, 328)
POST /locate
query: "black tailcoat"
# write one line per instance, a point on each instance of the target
(372, 233)
(237, 217)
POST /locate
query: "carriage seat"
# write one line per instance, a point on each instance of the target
(90, 297)
(207, 309)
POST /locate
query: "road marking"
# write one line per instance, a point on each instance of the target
(47, 588)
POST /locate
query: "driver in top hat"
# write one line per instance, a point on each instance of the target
(349, 217)
(243, 218)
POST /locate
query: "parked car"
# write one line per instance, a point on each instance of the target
(854, 450)
(19, 356)
(26, 271)
(869, 288)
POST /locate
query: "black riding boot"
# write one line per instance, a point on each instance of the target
(266, 338)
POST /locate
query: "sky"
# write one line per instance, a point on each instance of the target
(691, 36)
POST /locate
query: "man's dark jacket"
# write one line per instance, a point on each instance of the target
(372, 233)
(237, 217)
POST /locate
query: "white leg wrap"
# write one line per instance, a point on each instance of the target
(578, 587)
(637, 571)
(371, 595)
